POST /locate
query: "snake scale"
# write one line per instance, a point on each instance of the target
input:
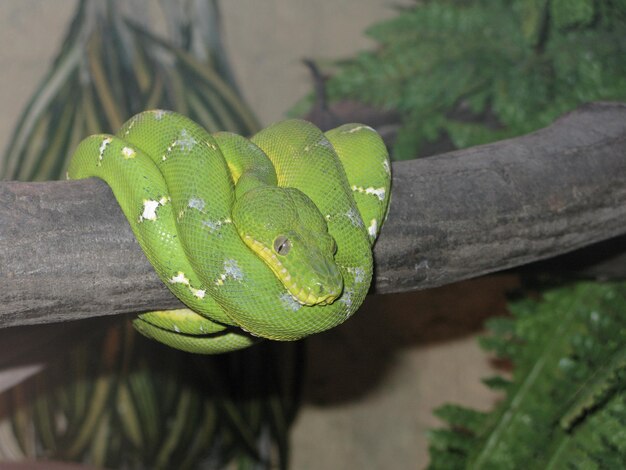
(268, 237)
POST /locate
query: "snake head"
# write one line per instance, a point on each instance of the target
(284, 228)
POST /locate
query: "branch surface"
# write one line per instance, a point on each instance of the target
(67, 252)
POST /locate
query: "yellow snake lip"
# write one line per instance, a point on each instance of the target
(304, 295)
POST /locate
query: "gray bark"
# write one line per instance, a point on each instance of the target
(67, 252)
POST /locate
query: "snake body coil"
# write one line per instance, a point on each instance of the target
(269, 237)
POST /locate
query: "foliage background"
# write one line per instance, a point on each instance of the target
(471, 72)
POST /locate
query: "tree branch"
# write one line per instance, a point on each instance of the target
(67, 252)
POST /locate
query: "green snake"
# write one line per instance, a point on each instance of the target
(268, 237)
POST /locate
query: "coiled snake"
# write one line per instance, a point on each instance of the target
(269, 237)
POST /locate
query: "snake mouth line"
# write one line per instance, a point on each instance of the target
(304, 295)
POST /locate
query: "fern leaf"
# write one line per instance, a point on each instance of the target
(566, 404)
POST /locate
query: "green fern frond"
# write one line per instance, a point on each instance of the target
(485, 70)
(566, 404)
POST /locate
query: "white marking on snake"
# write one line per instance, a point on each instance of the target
(185, 141)
(346, 298)
(214, 225)
(196, 203)
(386, 166)
(231, 270)
(378, 192)
(180, 278)
(358, 272)
(150, 207)
(127, 153)
(199, 293)
(159, 113)
(168, 150)
(324, 142)
(373, 228)
(103, 146)
(131, 125)
(355, 217)
(149, 210)
(289, 302)
(175, 328)
(358, 128)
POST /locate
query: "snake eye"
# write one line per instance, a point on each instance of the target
(282, 245)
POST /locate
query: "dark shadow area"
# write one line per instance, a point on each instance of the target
(22, 345)
(102, 371)
(605, 260)
(347, 362)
